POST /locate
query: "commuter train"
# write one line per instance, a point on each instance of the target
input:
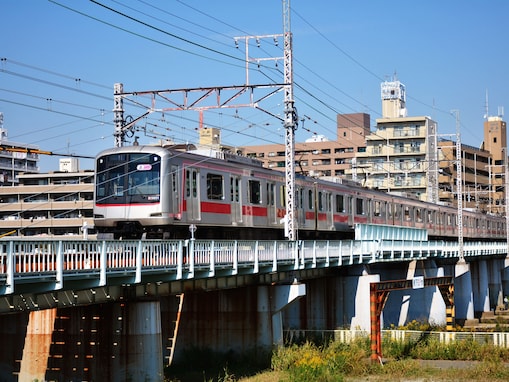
(171, 192)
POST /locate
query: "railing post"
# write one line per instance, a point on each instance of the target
(256, 267)
(327, 261)
(180, 260)
(104, 265)
(11, 261)
(212, 259)
(60, 267)
(274, 256)
(235, 258)
(314, 254)
(190, 255)
(139, 253)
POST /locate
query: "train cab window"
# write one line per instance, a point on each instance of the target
(215, 186)
(340, 203)
(359, 206)
(254, 189)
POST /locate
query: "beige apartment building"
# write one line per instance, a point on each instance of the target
(319, 156)
(55, 203)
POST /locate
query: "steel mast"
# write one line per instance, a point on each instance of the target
(290, 124)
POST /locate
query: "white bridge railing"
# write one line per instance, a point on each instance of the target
(30, 261)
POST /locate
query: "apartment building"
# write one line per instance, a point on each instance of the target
(15, 158)
(55, 203)
(318, 156)
(397, 157)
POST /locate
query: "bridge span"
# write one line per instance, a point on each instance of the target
(109, 309)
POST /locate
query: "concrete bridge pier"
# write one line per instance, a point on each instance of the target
(481, 288)
(360, 285)
(463, 294)
(36, 351)
(143, 347)
(496, 268)
(421, 304)
(505, 277)
(271, 301)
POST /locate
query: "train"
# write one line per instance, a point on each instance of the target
(182, 192)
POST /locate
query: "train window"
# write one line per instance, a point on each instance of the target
(397, 211)
(215, 186)
(310, 199)
(282, 192)
(191, 183)
(254, 189)
(377, 208)
(389, 210)
(340, 203)
(234, 189)
(320, 201)
(418, 215)
(270, 194)
(359, 206)
(407, 213)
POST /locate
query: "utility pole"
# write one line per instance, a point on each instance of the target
(459, 186)
(290, 124)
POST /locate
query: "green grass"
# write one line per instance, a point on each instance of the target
(335, 361)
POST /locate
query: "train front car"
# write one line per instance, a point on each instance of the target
(128, 189)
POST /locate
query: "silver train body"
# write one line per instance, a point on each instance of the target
(164, 192)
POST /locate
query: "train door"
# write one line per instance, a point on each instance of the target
(235, 199)
(351, 210)
(271, 203)
(328, 207)
(193, 194)
(301, 214)
(175, 191)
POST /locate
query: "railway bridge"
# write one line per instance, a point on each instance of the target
(122, 310)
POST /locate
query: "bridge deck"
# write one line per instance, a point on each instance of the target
(35, 266)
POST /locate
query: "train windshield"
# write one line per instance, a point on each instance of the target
(126, 178)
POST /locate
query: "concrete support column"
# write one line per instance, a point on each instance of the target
(463, 295)
(483, 303)
(361, 319)
(264, 321)
(495, 279)
(505, 277)
(143, 346)
(437, 314)
(37, 345)
(270, 304)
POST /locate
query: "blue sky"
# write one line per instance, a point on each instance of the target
(61, 58)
